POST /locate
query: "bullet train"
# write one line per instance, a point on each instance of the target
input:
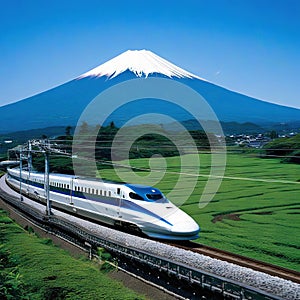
(132, 206)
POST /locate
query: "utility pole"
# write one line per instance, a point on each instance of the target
(29, 159)
(46, 185)
(21, 166)
(44, 146)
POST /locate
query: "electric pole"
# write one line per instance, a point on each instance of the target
(46, 186)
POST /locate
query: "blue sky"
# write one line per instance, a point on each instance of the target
(249, 46)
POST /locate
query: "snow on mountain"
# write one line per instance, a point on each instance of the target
(141, 63)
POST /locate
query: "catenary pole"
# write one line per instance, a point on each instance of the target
(21, 166)
(46, 186)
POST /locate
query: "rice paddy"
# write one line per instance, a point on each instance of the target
(255, 212)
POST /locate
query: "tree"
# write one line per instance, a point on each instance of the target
(112, 124)
(68, 130)
(84, 128)
(97, 128)
(273, 135)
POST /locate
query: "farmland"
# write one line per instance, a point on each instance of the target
(33, 268)
(254, 213)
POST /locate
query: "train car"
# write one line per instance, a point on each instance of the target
(137, 207)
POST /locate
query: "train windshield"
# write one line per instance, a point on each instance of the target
(157, 197)
(154, 196)
(135, 196)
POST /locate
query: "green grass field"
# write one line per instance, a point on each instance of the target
(254, 213)
(45, 271)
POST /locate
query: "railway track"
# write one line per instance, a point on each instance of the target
(240, 260)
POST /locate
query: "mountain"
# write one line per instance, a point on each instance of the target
(141, 63)
(63, 105)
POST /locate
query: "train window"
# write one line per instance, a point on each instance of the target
(68, 186)
(118, 191)
(135, 196)
(104, 193)
(89, 190)
(93, 191)
(101, 192)
(109, 193)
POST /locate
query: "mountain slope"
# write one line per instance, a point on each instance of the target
(63, 105)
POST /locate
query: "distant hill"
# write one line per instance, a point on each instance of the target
(288, 149)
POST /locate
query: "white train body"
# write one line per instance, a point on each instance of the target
(129, 205)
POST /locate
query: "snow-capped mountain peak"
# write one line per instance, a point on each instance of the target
(141, 63)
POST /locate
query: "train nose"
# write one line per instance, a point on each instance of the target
(183, 224)
(186, 228)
